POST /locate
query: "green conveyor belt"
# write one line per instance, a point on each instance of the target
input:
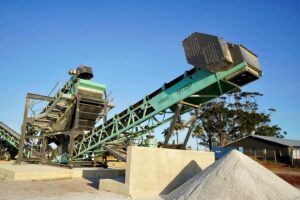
(195, 86)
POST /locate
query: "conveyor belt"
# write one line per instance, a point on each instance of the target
(9, 141)
(9, 135)
(117, 152)
(58, 115)
(71, 112)
(220, 67)
(195, 86)
(70, 116)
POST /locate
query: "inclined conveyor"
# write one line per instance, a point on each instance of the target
(69, 118)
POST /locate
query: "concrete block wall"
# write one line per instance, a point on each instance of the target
(157, 171)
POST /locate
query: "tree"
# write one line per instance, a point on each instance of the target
(178, 127)
(198, 133)
(215, 121)
(234, 116)
(165, 132)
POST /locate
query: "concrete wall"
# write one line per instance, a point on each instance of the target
(46, 172)
(155, 171)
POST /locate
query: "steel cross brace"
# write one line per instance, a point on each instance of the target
(5, 135)
(131, 133)
(24, 131)
(190, 124)
(183, 87)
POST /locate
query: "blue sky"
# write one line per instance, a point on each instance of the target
(135, 46)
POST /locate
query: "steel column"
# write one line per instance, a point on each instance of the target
(43, 150)
(23, 132)
(172, 126)
(71, 149)
(188, 135)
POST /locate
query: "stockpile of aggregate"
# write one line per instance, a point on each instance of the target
(235, 177)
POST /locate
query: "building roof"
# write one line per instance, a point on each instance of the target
(286, 142)
(281, 141)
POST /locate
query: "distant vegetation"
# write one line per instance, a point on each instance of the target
(234, 116)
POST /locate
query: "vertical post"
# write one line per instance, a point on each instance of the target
(275, 158)
(219, 84)
(77, 99)
(171, 128)
(23, 132)
(188, 135)
(105, 107)
(292, 156)
(44, 147)
(255, 154)
(70, 150)
(265, 154)
(72, 133)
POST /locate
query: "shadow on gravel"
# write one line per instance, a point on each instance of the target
(94, 178)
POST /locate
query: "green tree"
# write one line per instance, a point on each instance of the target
(214, 121)
(234, 116)
(178, 127)
(198, 133)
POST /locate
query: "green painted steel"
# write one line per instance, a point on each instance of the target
(10, 136)
(66, 89)
(198, 86)
(89, 85)
(193, 84)
(72, 87)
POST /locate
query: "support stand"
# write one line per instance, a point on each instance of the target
(23, 132)
(173, 122)
(190, 124)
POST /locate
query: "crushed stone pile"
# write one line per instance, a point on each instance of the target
(235, 177)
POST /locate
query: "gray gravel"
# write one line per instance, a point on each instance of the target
(235, 177)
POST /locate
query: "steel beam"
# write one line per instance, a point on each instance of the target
(187, 85)
(23, 133)
(39, 97)
(43, 150)
(9, 135)
(173, 122)
(191, 127)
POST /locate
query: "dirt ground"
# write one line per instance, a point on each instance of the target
(286, 172)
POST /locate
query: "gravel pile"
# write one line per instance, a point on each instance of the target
(235, 177)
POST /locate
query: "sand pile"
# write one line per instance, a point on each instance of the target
(235, 177)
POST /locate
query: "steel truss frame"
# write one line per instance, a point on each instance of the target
(191, 85)
(7, 135)
(188, 91)
(24, 134)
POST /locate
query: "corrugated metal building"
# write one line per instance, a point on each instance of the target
(270, 148)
